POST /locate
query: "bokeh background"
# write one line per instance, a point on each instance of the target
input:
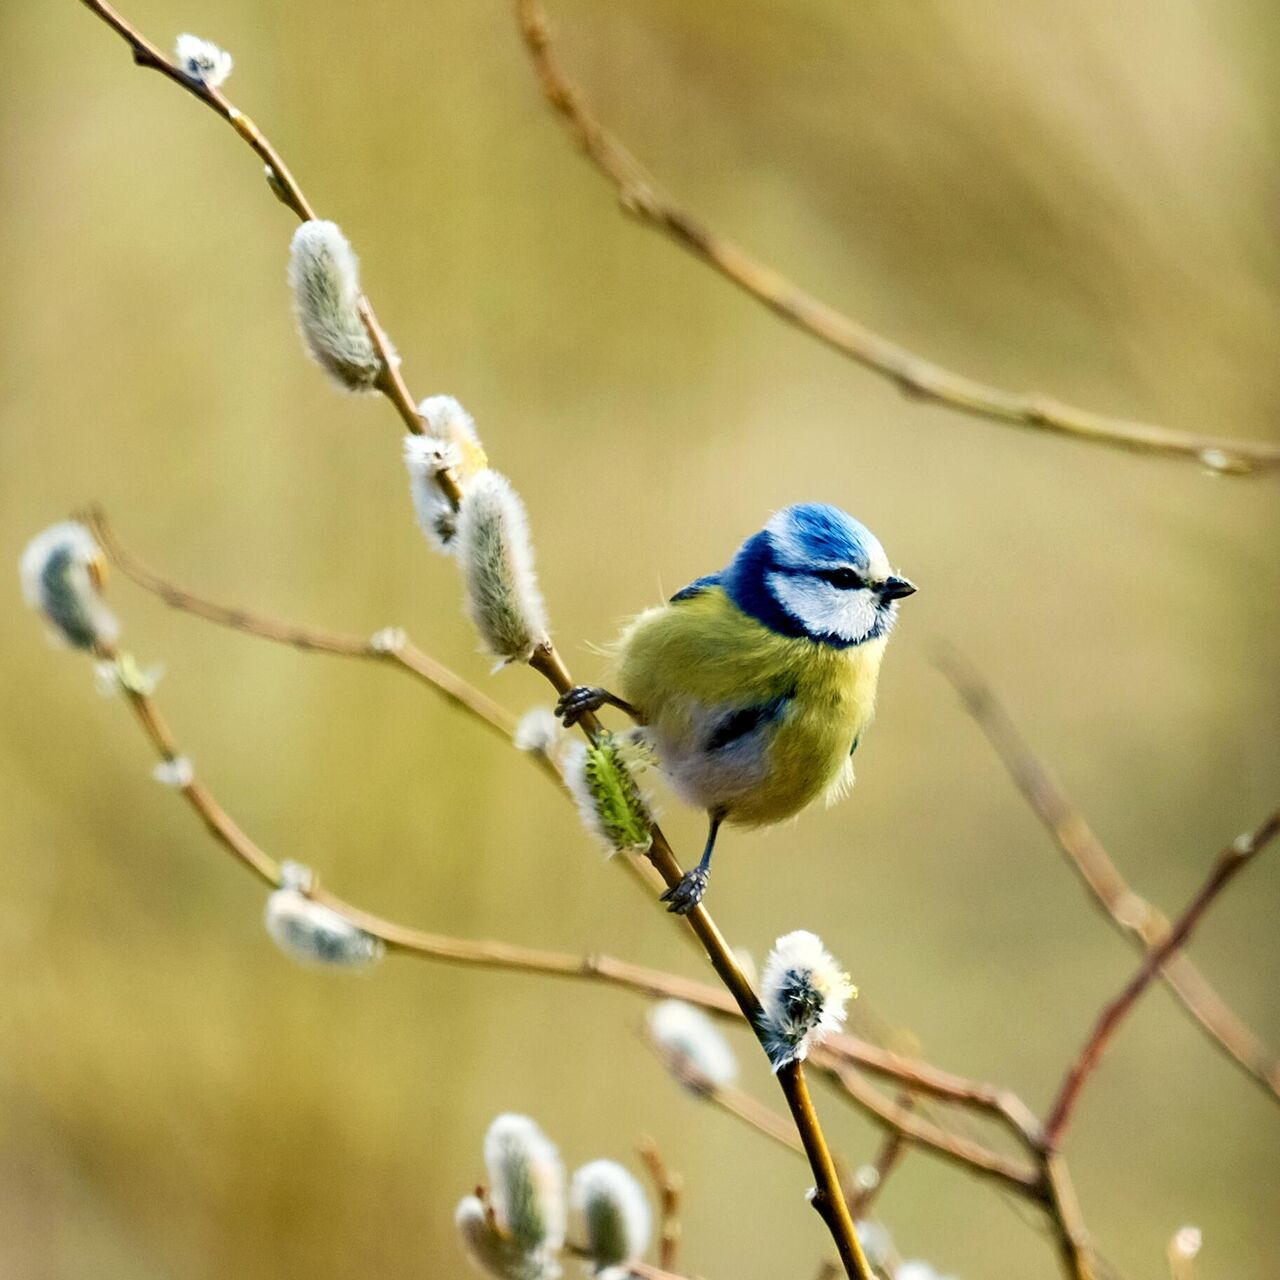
(1078, 198)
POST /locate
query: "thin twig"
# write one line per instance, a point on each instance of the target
(1065, 1220)
(870, 1178)
(901, 1119)
(667, 1187)
(1131, 914)
(1229, 863)
(639, 196)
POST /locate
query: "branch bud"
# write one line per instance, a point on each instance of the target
(325, 278)
(62, 572)
(202, 60)
(803, 992)
(526, 1184)
(313, 934)
(612, 1211)
(698, 1055)
(496, 558)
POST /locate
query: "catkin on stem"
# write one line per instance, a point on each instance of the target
(325, 278)
(496, 558)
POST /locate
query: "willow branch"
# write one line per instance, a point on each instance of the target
(1131, 914)
(403, 655)
(639, 196)
(390, 381)
(1229, 863)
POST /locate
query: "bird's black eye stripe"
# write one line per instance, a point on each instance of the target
(845, 579)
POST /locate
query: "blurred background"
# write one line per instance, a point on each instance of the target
(1077, 198)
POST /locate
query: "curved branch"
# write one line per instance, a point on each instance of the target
(1132, 914)
(639, 196)
(1229, 863)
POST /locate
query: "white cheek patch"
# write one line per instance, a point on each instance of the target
(825, 610)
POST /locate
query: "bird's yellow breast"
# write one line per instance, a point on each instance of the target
(690, 664)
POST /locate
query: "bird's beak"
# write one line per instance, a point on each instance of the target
(897, 588)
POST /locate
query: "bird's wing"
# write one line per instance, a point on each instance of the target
(696, 587)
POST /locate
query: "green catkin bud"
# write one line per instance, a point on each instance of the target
(495, 1254)
(496, 558)
(62, 571)
(526, 1184)
(803, 993)
(611, 1212)
(608, 799)
(325, 278)
(313, 934)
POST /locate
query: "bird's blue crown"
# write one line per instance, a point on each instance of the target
(816, 572)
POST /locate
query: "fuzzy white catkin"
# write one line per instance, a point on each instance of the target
(526, 1183)
(425, 457)
(697, 1050)
(876, 1242)
(202, 60)
(495, 1254)
(538, 730)
(325, 278)
(60, 570)
(449, 444)
(496, 558)
(915, 1269)
(447, 420)
(313, 934)
(177, 772)
(803, 993)
(611, 1212)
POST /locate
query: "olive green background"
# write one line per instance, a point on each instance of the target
(1077, 197)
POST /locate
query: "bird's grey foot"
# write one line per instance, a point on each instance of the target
(581, 700)
(683, 897)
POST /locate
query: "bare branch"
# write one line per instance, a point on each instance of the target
(1132, 914)
(639, 195)
(1229, 863)
(667, 1187)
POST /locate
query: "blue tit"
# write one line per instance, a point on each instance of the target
(755, 684)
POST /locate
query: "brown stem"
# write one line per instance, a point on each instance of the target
(870, 1178)
(1065, 1220)
(667, 1187)
(1131, 914)
(1229, 863)
(901, 1119)
(639, 196)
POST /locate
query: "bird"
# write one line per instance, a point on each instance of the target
(755, 684)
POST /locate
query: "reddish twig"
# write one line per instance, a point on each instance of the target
(1132, 914)
(1230, 862)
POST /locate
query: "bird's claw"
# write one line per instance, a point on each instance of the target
(581, 700)
(684, 896)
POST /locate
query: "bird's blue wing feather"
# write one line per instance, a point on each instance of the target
(696, 587)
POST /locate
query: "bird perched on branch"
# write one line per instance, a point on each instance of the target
(755, 684)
